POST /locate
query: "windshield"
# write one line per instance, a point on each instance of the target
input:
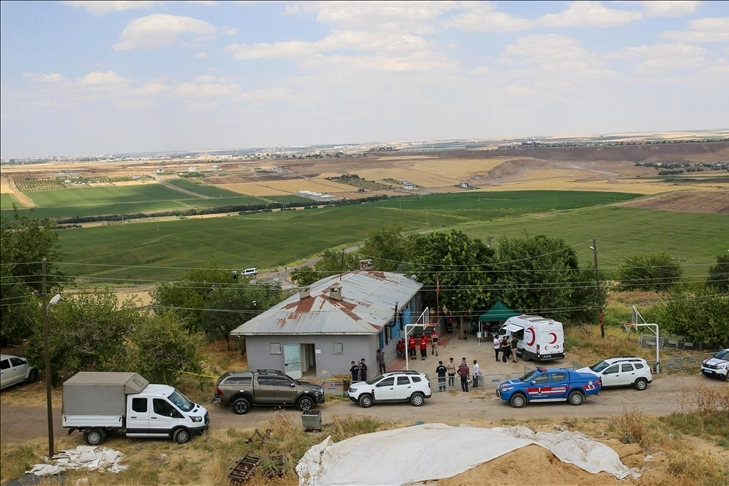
(722, 354)
(181, 401)
(374, 380)
(528, 375)
(597, 368)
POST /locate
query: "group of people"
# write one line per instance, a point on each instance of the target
(359, 371)
(422, 343)
(505, 346)
(462, 370)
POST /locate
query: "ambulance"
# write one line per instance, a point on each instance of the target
(539, 338)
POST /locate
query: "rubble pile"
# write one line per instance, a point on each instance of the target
(89, 458)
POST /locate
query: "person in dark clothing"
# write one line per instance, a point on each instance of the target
(362, 370)
(381, 369)
(514, 345)
(355, 372)
(505, 349)
(464, 372)
(441, 372)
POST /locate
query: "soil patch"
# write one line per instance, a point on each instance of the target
(716, 202)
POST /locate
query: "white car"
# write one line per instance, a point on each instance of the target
(15, 370)
(395, 386)
(622, 371)
(718, 365)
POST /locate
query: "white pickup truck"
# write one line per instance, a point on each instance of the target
(99, 403)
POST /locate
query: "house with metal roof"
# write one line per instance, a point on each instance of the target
(321, 329)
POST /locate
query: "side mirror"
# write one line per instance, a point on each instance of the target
(292, 385)
(533, 382)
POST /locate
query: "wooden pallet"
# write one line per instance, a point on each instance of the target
(242, 469)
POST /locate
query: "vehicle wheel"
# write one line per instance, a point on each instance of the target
(181, 436)
(525, 357)
(365, 401)
(576, 398)
(240, 406)
(94, 437)
(33, 376)
(518, 400)
(640, 384)
(305, 403)
(417, 399)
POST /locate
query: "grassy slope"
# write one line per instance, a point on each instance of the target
(7, 201)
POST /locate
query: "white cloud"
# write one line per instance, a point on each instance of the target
(551, 51)
(99, 78)
(201, 55)
(710, 29)
(107, 7)
(337, 40)
(160, 30)
(45, 78)
(665, 58)
(589, 14)
(212, 105)
(421, 61)
(482, 17)
(672, 8)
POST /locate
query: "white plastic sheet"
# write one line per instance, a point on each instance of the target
(402, 456)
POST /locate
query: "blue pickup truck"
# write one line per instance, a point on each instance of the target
(549, 385)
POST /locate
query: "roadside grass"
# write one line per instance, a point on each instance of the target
(704, 413)
(7, 201)
(586, 342)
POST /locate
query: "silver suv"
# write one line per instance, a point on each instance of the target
(622, 371)
(717, 365)
(395, 386)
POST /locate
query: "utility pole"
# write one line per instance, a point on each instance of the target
(597, 289)
(47, 355)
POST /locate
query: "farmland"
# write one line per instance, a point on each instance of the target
(7, 201)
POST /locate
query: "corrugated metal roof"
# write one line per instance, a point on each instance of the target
(367, 304)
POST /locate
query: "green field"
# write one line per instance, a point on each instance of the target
(157, 251)
(283, 199)
(7, 201)
(203, 190)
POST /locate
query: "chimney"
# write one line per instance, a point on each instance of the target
(365, 264)
(335, 293)
(304, 293)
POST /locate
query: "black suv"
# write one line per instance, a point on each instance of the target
(242, 389)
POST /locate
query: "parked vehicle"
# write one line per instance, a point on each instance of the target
(100, 403)
(622, 371)
(539, 338)
(395, 386)
(242, 389)
(549, 385)
(250, 272)
(14, 370)
(717, 366)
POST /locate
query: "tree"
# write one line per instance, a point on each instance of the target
(719, 274)
(700, 315)
(389, 249)
(87, 332)
(657, 271)
(457, 266)
(330, 263)
(541, 275)
(161, 348)
(24, 242)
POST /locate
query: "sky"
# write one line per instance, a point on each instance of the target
(86, 78)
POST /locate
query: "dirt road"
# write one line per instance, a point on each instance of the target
(22, 422)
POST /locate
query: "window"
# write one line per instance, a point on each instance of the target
(5, 364)
(626, 367)
(275, 348)
(265, 381)
(139, 405)
(17, 362)
(165, 408)
(386, 382)
(612, 370)
(239, 380)
(541, 379)
(403, 380)
(416, 379)
(338, 348)
(557, 377)
(638, 366)
(281, 381)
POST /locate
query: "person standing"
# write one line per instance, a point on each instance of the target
(514, 347)
(464, 372)
(476, 372)
(362, 370)
(434, 343)
(401, 349)
(441, 372)
(505, 349)
(451, 367)
(355, 372)
(423, 347)
(381, 362)
(411, 347)
(497, 346)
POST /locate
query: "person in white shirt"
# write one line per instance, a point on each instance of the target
(497, 346)
(476, 372)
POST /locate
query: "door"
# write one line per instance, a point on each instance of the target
(138, 416)
(627, 374)
(13, 370)
(292, 360)
(558, 384)
(6, 378)
(285, 390)
(265, 389)
(403, 388)
(611, 376)
(538, 387)
(164, 418)
(385, 389)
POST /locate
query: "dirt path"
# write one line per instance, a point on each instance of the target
(19, 196)
(22, 422)
(175, 188)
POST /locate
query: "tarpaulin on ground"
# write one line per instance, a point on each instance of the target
(402, 456)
